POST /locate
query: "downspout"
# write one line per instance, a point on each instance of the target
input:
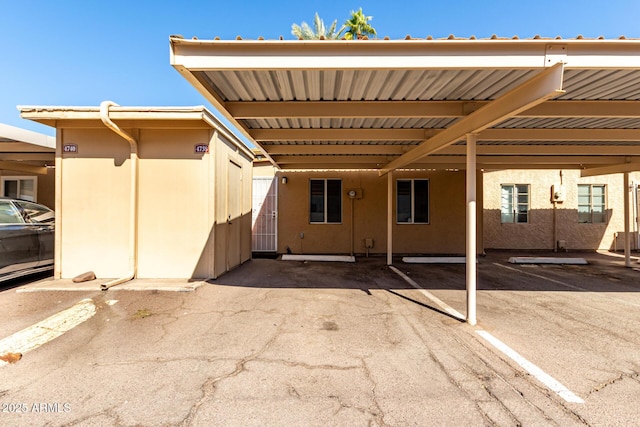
(133, 205)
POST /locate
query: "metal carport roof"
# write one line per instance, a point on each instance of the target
(423, 103)
(23, 150)
(384, 104)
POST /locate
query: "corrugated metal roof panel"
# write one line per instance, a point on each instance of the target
(411, 85)
(365, 85)
(338, 142)
(350, 123)
(601, 84)
(571, 123)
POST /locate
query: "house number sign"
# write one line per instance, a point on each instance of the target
(70, 148)
(202, 148)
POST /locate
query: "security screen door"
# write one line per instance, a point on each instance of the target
(264, 214)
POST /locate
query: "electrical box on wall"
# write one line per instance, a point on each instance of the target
(354, 193)
(557, 193)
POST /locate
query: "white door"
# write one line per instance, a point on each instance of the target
(264, 215)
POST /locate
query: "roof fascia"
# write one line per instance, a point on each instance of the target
(196, 55)
(142, 116)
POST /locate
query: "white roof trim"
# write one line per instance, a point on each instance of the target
(39, 113)
(22, 135)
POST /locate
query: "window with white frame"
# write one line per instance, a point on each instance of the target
(514, 203)
(20, 187)
(412, 201)
(325, 201)
(592, 203)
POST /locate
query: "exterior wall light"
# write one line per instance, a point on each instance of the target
(284, 179)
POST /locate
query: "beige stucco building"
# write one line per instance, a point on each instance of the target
(561, 210)
(148, 192)
(26, 165)
(359, 225)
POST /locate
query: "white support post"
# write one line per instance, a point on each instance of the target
(390, 218)
(627, 238)
(471, 229)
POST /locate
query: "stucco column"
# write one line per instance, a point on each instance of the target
(390, 218)
(627, 238)
(472, 227)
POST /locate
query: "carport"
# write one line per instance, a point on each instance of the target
(462, 104)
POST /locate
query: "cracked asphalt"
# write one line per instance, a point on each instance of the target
(277, 343)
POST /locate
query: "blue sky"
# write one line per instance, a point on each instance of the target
(81, 52)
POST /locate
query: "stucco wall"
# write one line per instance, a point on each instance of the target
(93, 216)
(232, 193)
(174, 220)
(445, 234)
(181, 204)
(539, 232)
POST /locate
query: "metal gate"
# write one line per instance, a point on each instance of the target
(264, 215)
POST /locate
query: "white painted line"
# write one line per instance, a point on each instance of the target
(547, 260)
(577, 288)
(443, 305)
(434, 259)
(532, 369)
(50, 328)
(338, 258)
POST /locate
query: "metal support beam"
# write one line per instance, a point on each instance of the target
(471, 229)
(606, 170)
(627, 237)
(21, 167)
(242, 110)
(390, 219)
(544, 86)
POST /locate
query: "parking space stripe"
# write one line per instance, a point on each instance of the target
(532, 369)
(50, 328)
(558, 282)
(441, 304)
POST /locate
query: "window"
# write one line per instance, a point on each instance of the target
(514, 203)
(9, 214)
(34, 213)
(325, 201)
(412, 201)
(20, 187)
(591, 203)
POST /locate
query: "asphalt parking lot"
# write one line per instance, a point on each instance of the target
(301, 343)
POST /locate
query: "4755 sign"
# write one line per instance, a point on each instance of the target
(201, 148)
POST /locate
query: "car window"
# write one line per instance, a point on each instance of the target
(36, 213)
(9, 214)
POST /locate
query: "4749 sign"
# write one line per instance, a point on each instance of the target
(70, 148)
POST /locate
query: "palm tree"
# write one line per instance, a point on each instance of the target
(358, 26)
(319, 30)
